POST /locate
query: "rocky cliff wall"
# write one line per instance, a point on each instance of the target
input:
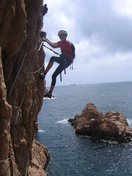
(21, 89)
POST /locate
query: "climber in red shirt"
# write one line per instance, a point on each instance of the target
(64, 61)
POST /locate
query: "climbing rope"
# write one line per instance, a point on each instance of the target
(40, 46)
(18, 74)
(51, 49)
(17, 115)
(28, 73)
(34, 72)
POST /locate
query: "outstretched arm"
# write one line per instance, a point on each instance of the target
(53, 45)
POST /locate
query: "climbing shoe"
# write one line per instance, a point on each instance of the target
(42, 75)
(48, 94)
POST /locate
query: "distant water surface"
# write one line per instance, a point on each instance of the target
(80, 156)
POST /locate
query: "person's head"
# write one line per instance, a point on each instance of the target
(62, 34)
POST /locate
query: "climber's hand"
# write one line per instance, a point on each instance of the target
(44, 39)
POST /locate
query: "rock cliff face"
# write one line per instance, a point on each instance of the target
(21, 89)
(111, 126)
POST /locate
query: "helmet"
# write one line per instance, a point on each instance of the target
(62, 33)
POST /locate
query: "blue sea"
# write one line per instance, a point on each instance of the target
(73, 155)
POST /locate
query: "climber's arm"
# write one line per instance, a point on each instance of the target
(53, 45)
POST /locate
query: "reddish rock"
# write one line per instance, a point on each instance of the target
(40, 159)
(111, 126)
(5, 115)
(21, 96)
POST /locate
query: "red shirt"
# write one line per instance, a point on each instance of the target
(66, 49)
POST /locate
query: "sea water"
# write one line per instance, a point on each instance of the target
(72, 155)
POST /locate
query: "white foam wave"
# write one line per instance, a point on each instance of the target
(64, 121)
(109, 142)
(41, 131)
(46, 98)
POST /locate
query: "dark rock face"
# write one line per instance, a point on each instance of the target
(111, 126)
(21, 96)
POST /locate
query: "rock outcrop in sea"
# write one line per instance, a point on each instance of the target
(21, 89)
(112, 126)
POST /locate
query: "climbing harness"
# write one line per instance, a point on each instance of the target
(56, 54)
(42, 44)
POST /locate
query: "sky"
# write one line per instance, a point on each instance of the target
(101, 31)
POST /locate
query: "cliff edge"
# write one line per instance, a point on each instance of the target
(21, 89)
